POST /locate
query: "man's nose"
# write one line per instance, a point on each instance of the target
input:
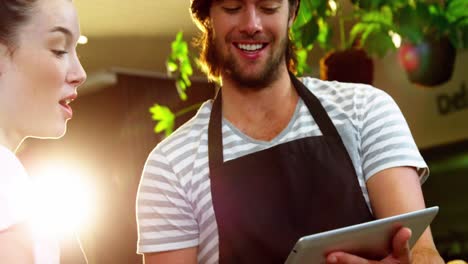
(251, 21)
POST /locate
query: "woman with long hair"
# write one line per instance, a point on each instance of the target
(39, 76)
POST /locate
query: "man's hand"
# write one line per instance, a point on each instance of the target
(401, 253)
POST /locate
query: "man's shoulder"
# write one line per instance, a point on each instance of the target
(343, 94)
(187, 136)
(321, 87)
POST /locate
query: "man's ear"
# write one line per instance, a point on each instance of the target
(290, 22)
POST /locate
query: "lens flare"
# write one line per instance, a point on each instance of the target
(62, 200)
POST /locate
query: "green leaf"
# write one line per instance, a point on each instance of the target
(180, 36)
(320, 7)
(358, 29)
(160, 112)
(383, 17)
(179, 48)
(186, 68)
(410, 26)
(379, 43)
(171, 66)
(324, 35)
(368, 5)
(462, 22)
(303, 16)
(186, 80)
(181, 87)
(167, 127)
(164, 117)
(179, 65)
(372, 23)
(160, 126)
(309, 33)
(315, 4)
(423, 16)
(363, 4)
(457, 9)
(301, 56)
(372, 29)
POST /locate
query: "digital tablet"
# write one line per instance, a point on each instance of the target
(371, 240)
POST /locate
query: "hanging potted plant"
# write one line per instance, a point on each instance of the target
(431, 32)
(377, 24)
(352, 64)
(349, 61)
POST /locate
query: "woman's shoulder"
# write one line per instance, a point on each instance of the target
(14, 190)
(11, 169)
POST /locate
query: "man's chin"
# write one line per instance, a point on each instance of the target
(255, 79)
(252, 82)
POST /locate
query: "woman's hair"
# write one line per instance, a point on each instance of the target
(13, 14)
(200, 11)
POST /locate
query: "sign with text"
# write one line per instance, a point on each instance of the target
(452, 102)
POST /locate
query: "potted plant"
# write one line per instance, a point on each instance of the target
(178, 65)
(346, 62)
(424, 25)
(311, 26)
(431, 31)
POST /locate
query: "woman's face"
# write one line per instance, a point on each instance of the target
(41, 76)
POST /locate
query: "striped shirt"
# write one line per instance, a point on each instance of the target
(174, 206)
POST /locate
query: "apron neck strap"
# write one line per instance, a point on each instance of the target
(316, 109)
(215, 133)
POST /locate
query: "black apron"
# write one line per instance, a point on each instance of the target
(265, 201)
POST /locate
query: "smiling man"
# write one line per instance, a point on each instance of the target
(273, 158)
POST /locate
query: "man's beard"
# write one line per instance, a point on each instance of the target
(233, 70)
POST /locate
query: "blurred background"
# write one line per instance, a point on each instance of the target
(93, 172)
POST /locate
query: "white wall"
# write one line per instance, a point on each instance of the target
(419, 104)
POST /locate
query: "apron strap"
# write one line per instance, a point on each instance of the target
(215, 134)
(316, 109)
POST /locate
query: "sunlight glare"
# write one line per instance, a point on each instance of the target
(396, 39)
(333, 6)
(83, 40)
(62, 200)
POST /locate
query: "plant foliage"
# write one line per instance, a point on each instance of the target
(374, 22)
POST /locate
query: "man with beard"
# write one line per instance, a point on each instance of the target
(273, 158)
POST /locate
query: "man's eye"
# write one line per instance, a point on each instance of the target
(270, 10)
(231, 9)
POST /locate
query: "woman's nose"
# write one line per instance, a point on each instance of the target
(77, 75)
